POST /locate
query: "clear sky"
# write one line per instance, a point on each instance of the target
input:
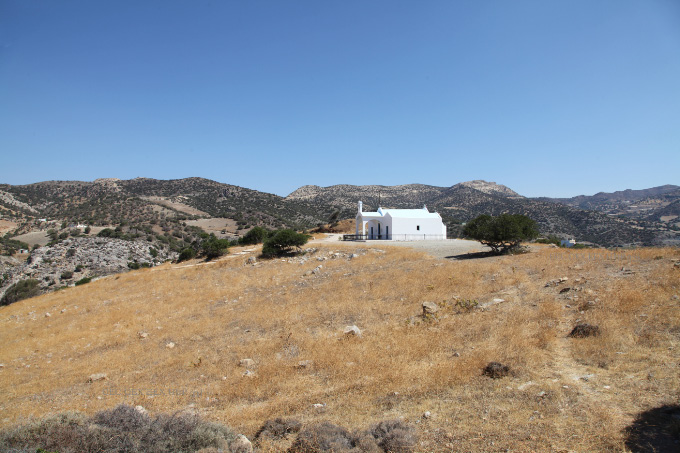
(554, 98)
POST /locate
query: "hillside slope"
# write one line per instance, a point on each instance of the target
(176, 337)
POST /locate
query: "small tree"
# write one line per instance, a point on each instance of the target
(501, 233)
(284, 242)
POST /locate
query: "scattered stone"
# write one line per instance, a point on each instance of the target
(319, 405)
(142, 335)
(352, 331)
(430, 308)
(353, 255)
(556, 282)
(317, 269)
(251, 260)
(246, 363)
(249, 374)
(97, 377)
(47, 315)
(675, 297)
(541, 394)
(456, 354)
(525, 385)
(584, 330)
(63, 310)
(304, 364)
(240, 445)
(565, 290)
(170, 345)
(427, 414)
(496, 370)
(141, 409)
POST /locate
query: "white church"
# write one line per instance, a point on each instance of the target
(400, 224)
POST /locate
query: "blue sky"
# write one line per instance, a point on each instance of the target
(554, 98)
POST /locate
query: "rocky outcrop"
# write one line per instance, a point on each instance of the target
(71, 260)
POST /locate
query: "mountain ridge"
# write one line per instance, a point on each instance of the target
(108, 201)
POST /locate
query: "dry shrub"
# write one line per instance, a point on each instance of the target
(120, 429)
(496, 370)
(323, 437)
(392, 436)
(584, 330)
(278, 428)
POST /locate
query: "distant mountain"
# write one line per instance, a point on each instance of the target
(649, 204)
(464, 201)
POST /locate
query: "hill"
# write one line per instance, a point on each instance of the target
(141, 200)
(242, 343)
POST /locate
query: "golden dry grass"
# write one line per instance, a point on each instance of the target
(563, 394)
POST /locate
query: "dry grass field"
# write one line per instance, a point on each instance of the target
(562, 393)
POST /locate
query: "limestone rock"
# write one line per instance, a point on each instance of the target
(240, 445)
(429, 308)
(97, 377)
(246, 363)
(352, 331)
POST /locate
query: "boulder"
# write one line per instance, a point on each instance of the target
(429, 308)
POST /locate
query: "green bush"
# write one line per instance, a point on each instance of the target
(255, 236)
(214, 248)
(134, 265)
(501, 233)
(23, 289)
(66, 275)
(186, 254)
(284, 242)
(82, 281)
